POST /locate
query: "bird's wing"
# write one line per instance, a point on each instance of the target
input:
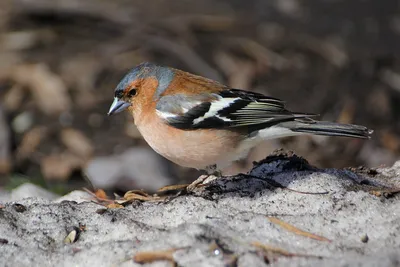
(231, 108)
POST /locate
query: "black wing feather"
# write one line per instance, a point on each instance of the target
(250, 111)
(185, 121)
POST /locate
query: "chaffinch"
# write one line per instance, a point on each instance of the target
(200, 123)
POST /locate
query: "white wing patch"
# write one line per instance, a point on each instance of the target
(215, 107)
(168, 115)
(165, 115)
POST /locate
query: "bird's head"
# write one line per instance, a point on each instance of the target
(145, 82)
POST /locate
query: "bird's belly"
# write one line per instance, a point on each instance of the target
(195, 149)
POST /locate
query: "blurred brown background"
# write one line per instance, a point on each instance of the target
(60, 61)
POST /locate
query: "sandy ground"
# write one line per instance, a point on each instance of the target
(355, 215)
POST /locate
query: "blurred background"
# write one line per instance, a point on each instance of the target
(60, 61)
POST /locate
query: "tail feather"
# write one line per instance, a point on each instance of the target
(330, 129)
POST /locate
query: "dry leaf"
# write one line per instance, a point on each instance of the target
(280, 251)
(211, 22)
(136, 191)
(133, 195)
(390, 140)
(30, 141)
(172, 187)
(385, 193)
(77, 143)
(261, 53)
(18, 40)
(99, 197)
(152, 256)
(329, 49)
(59, 166)
(100, 194)
(48, 90)
(13, 98)
(25, 39)
(240, 72)
(347, 114)
(138, 195)
(72, 68)
(295, 230)
(5, 166)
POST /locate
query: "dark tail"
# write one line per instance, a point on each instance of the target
(330, 129)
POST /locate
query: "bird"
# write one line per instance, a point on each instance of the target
(200, 123)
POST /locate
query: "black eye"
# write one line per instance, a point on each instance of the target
(132, 92)
(119, 94)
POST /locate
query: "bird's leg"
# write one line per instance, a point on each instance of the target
(211, 170)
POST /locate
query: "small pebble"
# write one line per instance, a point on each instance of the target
(19, 207)
(22, 122)
(73, 235)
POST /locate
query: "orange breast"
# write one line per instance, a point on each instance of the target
(195, 149)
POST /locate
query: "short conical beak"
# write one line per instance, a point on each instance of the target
(118, 106)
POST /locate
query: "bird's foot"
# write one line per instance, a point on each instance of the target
(196, 183)
(212, 174)
(203, 178)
